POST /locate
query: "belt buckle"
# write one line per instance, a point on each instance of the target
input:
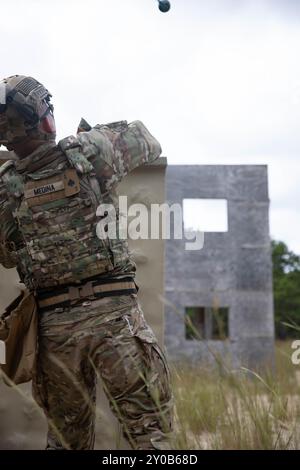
(80, 292)
(86, 290)
(74, 293)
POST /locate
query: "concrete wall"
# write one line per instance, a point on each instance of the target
(232, 270)
(22, 426)
(146, 185)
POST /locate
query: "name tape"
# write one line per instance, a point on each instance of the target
(46, 189)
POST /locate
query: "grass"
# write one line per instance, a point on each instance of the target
(217, 408)
(238, 409)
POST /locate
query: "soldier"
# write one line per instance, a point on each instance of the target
(90, 321)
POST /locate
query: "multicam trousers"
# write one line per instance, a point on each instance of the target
(108, 337)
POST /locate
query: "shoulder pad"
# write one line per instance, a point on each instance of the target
(6, 167)
(72, 148)
(118, 126)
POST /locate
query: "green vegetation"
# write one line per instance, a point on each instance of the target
(286, 285)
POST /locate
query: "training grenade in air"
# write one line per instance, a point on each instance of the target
(164, 5)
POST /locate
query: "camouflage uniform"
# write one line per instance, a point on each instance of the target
(48, 204)
(109, 337)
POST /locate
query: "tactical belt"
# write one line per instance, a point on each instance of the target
(68, 295)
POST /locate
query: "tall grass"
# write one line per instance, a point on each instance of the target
(238, 409)
(220, 408)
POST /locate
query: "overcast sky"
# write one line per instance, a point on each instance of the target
(215, 81)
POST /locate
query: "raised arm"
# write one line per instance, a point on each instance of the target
(118, 148)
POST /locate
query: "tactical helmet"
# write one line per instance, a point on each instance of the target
(25, 111)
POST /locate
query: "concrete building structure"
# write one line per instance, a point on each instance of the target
(229, 281)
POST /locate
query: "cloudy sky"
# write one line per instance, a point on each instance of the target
(216, 81)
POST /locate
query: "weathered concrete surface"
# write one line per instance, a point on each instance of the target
(232, 270)
(146, 185)
(22, 426)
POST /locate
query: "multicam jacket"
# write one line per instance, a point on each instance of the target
(49, 200)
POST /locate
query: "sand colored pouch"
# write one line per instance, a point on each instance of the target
(18, 330)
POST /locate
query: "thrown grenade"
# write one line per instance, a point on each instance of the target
(164, 5)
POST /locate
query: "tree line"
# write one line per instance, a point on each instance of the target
(286, 286)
